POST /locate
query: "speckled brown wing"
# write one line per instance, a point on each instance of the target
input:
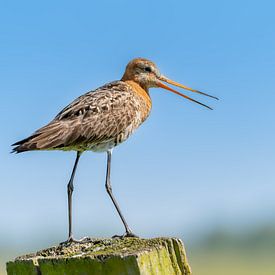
(95, 121)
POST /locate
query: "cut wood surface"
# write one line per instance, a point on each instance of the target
(128, 256)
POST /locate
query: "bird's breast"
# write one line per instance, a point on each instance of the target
(143, 95)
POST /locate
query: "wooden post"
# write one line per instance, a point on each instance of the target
(128, 256)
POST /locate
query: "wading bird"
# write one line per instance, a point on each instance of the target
(102, 119)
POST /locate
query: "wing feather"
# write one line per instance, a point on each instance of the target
(94, 117)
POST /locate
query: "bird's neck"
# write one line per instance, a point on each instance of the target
(138, 89)
(131, 78)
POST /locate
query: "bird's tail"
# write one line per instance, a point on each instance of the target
(56, 134)
(25, 145)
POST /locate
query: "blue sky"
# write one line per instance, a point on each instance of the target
(187, 169)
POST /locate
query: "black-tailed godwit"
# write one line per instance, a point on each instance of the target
(102, 119)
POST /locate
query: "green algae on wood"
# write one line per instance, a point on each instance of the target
(128, 256)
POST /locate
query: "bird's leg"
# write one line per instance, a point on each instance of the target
(108, 186)
(70, 189)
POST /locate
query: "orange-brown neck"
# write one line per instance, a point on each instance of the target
(141, 92)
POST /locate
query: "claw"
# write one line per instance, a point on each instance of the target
(73, 240)
(126, 235)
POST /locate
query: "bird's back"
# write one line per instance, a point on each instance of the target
(97, 120)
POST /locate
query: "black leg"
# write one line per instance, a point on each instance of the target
(110, 193)
(70, 189)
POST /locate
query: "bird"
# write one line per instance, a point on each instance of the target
(100, 120)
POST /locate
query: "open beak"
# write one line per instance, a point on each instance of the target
(167, 80)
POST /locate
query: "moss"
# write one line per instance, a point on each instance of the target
(23, 267)
(129, 256)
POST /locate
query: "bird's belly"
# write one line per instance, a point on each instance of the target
(102, 146)
(108, 144)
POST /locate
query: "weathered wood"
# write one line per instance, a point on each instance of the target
(128, 256)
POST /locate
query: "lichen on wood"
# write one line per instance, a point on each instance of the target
(127, 256)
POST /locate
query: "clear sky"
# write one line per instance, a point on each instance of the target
(187, 169)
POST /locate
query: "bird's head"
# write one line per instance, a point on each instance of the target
(147, 75)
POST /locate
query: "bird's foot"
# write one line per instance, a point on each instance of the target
(127, 234)
(73, 240)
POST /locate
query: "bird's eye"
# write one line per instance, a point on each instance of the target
(148, 69)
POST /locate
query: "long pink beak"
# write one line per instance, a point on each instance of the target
(167, 80)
